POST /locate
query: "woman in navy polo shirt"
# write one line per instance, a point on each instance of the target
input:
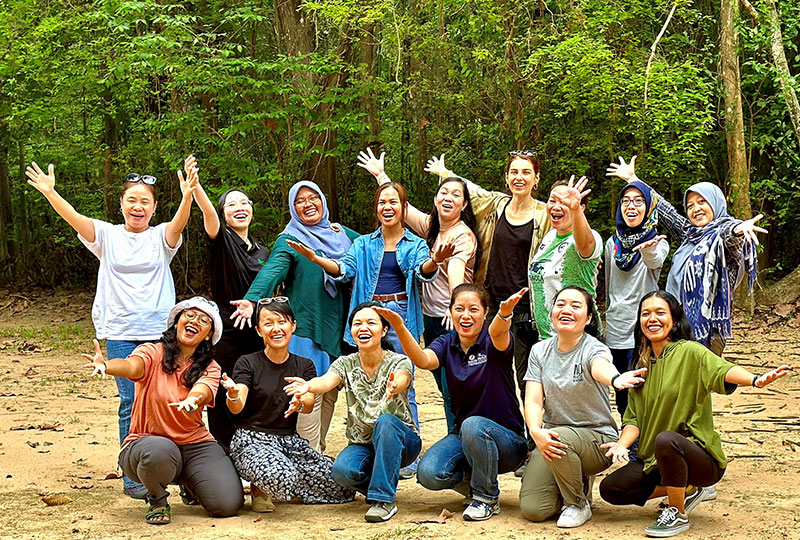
(488, 437)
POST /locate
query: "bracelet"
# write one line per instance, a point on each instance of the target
(614, 378)
(232, 400)
(755, 378)
(383, 178)
(511, 316)
(105, 366)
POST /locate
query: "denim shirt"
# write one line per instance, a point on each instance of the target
(363, 263)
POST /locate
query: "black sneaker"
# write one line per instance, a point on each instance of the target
(669, 523)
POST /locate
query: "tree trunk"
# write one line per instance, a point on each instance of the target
(22, 226)
(779, 58)
(6, 223)
(109, 149)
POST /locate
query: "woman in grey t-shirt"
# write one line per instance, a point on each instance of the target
(568, 412)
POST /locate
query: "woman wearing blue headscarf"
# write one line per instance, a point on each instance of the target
(716, 251)
(634, 256)
(319, 303)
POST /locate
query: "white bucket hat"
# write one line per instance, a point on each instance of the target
(206, 306)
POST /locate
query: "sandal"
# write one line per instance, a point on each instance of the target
(158, 515)
(187, 497)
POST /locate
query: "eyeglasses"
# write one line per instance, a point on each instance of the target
(268, 301)
(144, 179)
(314, 199)
(241, 202)
(637, 202)
(529, 153)
(202, 319)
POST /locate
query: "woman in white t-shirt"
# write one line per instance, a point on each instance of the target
(135, 290)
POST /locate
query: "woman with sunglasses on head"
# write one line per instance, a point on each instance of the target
(671, 416)
(381, 432)
(175, 378)
(135, 290)
(234, 261)
(568, 412)
(634, 256)
(312, 293)
(266, 449)
(450, 220)
(716, 252)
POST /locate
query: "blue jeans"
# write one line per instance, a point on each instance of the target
(374, 469)
(434, 329)
(482, 450)
(117, 348)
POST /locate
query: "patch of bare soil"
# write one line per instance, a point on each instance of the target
(59, 436)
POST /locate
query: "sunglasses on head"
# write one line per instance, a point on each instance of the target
(144, 179)
(529, 153)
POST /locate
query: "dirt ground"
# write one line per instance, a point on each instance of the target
(59, 436)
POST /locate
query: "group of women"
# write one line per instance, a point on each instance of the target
(507, 308)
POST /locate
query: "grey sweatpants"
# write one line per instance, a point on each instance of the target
(203, 468)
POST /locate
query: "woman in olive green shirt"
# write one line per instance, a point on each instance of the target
(671, 416)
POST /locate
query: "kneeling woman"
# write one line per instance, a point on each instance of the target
(380, 427)
(568, 412)
(671, 416)
(488, 436)
(168, 443)
(266, 448)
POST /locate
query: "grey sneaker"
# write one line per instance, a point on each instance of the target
(572, 516)
(710, 493)
(669, 523)
(695, 497)
(407, 472)
(481, 511)
(381, 511)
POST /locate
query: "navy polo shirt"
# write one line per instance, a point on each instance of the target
(481, 381)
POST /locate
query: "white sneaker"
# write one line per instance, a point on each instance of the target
(572, 516)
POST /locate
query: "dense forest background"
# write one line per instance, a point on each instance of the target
(268, 93)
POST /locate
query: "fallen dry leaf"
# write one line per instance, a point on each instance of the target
(56, 499)
(441, 518)
(31, 372)
(112, 476)
(82, 486)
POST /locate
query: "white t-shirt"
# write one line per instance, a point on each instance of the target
(135, 290)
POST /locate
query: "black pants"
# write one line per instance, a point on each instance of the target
(622, 361)
(680, 463)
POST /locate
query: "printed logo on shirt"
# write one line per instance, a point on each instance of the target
(476, 359)
(577, 373)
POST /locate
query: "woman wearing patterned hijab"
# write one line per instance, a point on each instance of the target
(634, 256)
(715, 253)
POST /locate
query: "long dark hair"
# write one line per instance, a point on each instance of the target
(386, 344)
(201, 358)
(467, 216)
(593, 326)
(681, 328)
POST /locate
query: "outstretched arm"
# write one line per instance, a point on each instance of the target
(584, 239)
(210, 218)
(175, 227)
(45, 183)
(500, 328)
(329, 265)
(131, 367)
(423, 359)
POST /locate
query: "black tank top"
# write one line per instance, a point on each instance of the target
(507, 271)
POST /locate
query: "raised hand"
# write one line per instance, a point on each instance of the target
(436, 166)
(188, 405)
(191, 168)
(296, 387)
(368, 161)
(96, 361)
(229, 386)
(549, 444)
(243, 313)
(771, 376)
(650, 243)
(447, 321)
(45, 183)
(391, 317)
(188, 185)
(444, 252)
(574, 193)
(626, 171)
(617, 452)
(507, 306)
(295, 405)
(748, 229)
(629, 379)
(391, 387)
(303, 250)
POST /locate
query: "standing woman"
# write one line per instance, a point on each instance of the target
(634, 256)
(234, 261)
(266, 449)
(175, 378)
(569, 254)
(312, 293)
(671, 416)
(716, 251)
(450, 220)
(568, 412)
(489, 436)
(135, 290)
(381, 431)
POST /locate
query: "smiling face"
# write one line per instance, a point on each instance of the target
(138, 206)
(656, 320)
(237, 210)
(468, 314)
(308, 205)
(698, 210)
(367, 329)
(521, 177)
(275, 329)
(389, 208)
(193, 327)
(558, 213)
(570, 313)
(449, 201)
(632, 205)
